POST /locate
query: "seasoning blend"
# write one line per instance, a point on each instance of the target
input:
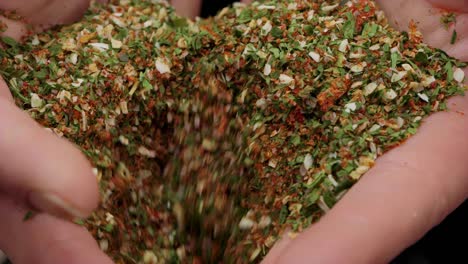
(210, 138)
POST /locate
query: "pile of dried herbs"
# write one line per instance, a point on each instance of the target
(209, 138)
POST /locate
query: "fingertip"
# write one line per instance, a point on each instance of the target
(4, 91)
(14, 29)
(44, 170)
(74, 251)
(55, 205)
(45, 239)
(190, 9)
(74, 10)
(76, 192)
(85, 179)
(451, 5)
(277, 250)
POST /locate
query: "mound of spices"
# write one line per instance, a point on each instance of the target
(210, 138)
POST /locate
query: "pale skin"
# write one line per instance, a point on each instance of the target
(411, 189)
(37, 169)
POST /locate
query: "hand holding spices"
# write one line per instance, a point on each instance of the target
(413, 187)
(40, 172)
(211, 138)
(21, 17)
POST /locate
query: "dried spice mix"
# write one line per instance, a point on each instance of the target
(210, 138)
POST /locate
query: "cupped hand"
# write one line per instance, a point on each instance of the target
(412, 188)
(39, 171)
(24, 16)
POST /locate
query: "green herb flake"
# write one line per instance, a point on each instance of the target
(448, 19)
(28, 216)
(9, 41)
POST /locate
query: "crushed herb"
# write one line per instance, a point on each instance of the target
(28, 216)
(211, 138)
(11, 15)
(448, 19)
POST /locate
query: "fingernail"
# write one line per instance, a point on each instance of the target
(277, 250)
(54, 205)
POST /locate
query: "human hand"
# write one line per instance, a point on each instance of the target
(39, 14)
(412, 188)
(39, 171)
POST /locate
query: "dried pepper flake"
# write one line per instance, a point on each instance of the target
(211, 138)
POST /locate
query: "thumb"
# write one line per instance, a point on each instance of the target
(451, 5)
(187, 8)
(40, 14)
(12, 29)
(41, 170)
